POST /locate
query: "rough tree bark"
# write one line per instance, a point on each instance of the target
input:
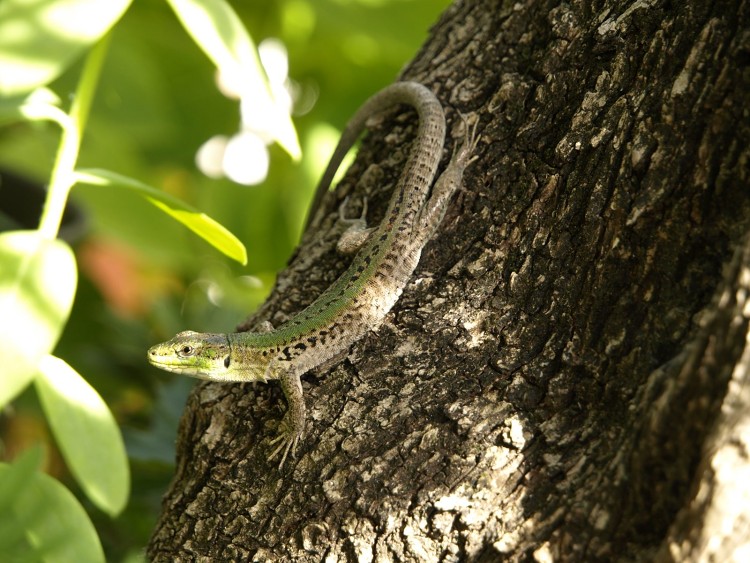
(564, 378)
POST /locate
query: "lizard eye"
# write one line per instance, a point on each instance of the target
(186, 351)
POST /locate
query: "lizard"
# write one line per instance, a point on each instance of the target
(360, 298)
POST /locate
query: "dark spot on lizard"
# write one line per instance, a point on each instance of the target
(226, 362)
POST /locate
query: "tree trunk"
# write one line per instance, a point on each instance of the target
(564, 378)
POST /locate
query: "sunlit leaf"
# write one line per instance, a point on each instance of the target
(42, 520)
(40, 39)
(215, 27)
(87, 434)
(37, 284)
(200, 223)
(41, 101)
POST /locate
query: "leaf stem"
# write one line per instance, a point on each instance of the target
(63, 177)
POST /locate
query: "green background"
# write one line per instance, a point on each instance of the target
(144, 277)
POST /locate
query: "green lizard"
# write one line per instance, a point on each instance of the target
(359, 300)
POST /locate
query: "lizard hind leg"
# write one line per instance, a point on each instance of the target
(446, 185)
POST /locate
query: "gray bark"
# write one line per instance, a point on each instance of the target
(564, 376)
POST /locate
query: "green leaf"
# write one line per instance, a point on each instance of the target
(87, 434)
(37, 284)
(200, 223)
(217, 30)
(42, 520)
(40, 104)
(40, 39)
(17, 478)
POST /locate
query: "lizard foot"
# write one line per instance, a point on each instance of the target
(463, 153)
(287, 439)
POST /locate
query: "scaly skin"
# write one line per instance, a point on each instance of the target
(359, 300)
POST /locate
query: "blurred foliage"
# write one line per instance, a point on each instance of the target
(142, 276)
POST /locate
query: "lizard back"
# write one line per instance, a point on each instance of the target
(359, 299)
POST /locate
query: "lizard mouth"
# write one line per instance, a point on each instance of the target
(165, 364)
(191, 371)
(175, 365)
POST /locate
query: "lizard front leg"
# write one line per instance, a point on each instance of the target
(357, 234)
(293, 424)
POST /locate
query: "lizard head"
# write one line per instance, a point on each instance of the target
(210, 356)
(201, 355)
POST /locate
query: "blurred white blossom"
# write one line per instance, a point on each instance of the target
(244, 157)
